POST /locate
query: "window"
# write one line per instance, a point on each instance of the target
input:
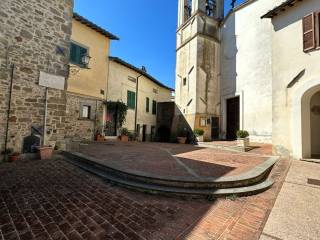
(76, 54)
(132, 79)
(203, 122)
(188, 10)
(147, 105)
(131, 100)
(311, 31)
(184, 81)
(154, 107)
(210, 7)
(155, 91)
(86, 112)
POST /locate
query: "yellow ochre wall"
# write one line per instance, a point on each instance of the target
(91, 81)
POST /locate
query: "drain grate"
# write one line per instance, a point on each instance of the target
(314, 181)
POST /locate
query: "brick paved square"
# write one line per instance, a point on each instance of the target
(56, 200)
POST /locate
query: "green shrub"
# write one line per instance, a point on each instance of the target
(124, 132)
(132, 136)
(242, 134)
(198, 132)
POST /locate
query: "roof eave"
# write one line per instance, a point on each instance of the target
(126, 64)
(281, 8)
(95, 27)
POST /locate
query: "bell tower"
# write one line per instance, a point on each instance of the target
(197, 67)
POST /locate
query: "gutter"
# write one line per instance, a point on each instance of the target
(136, 109)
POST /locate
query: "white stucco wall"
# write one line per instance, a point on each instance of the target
(246, 67)
(291, 106)
(118, 85)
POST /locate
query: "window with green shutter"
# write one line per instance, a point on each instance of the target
(147, 104)
(76, 54)
(154, 107)
(131, 100)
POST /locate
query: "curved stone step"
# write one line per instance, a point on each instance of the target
(252, 177)
(177, 191)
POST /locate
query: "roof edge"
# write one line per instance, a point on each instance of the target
(93, 26)
(128, 65)
(281, 8)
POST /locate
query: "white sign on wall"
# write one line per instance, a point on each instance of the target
(51, 81)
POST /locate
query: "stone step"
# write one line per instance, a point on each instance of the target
(175, 191)
(252, 177)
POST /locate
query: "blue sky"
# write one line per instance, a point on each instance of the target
(147, 31)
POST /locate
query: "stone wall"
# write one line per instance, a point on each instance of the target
(35, 36)
(82, 129)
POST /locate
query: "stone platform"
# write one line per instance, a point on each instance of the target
(174, 168)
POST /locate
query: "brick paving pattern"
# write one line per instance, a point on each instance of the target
(55, 200)
(160, 159)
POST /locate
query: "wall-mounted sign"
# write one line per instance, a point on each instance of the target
(51, 81)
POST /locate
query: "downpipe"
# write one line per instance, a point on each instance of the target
(8, 111)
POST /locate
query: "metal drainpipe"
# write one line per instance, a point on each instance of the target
(9, 109)
(136, 110)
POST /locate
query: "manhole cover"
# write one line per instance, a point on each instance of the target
(314, 181)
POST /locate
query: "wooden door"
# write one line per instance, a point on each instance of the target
(233, 118)
(144, 133)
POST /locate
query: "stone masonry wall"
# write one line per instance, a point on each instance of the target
(34, 36)
(82, 129)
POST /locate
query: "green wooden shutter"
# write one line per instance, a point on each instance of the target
(73, 53)
(131, 99)
(76, 53)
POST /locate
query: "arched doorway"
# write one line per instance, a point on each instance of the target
(305, 124)
(315, 125)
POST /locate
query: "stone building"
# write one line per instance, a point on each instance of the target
(34, 37)
(264, 73)
(42, 45)
(140, 92)
(197, 72)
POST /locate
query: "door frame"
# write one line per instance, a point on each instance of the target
(301, 129)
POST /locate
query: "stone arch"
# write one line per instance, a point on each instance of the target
(301, 117)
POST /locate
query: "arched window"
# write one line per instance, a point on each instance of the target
(188, 9)
(211, 8)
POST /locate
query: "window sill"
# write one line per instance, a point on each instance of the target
(85, 119)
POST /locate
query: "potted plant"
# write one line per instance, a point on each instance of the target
(14, 156)
(46, 152)
(243, 139)
(132, 136)
(182, 135)
(124, 135)
(198, 133)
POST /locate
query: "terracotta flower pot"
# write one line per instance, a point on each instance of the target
(124, 138)
(182, 140)
(100, 138)
(14, 157)
(46, 153)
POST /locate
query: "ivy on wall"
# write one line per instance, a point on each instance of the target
(119, 109)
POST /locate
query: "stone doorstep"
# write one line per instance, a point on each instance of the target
(252, 174)
(311, 160)
(176, 191)
(234, 148)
